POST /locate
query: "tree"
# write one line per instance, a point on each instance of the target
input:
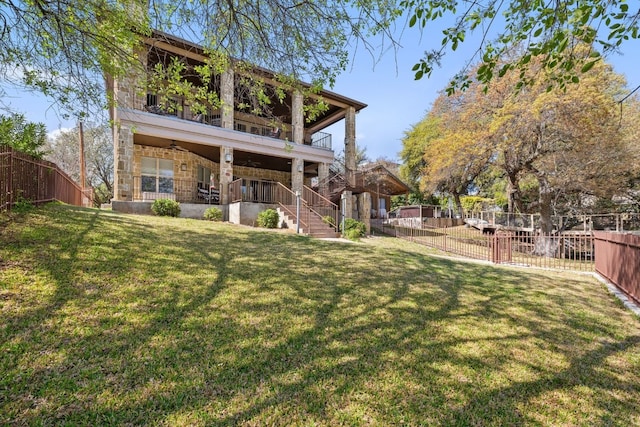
(27, 137)
(546, 30)
(414, 145)
(339, 163)
(571, 146)
(64, 48)
(63, 150)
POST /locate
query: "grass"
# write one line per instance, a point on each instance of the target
(110, 319)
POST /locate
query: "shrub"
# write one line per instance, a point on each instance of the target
(354, 229)
(268, 218)
(22, 205)
(327, 219)
(213, 214)
(165, 207)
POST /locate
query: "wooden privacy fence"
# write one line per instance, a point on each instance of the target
(618, 260)
(22, 177)
(572, 251)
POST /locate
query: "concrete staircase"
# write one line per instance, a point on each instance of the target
(315, 227)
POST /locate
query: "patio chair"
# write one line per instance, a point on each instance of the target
(210, 196)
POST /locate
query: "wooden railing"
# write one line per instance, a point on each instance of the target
(322, 206)
(23, 177)
(287, 200)
(253, 190)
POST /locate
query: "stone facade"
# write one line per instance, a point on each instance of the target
(123, 161)
(141, 130)
(192, 161)
(364, 209)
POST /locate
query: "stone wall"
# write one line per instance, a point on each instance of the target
(257, 173)
(179, 157)
(192, 161)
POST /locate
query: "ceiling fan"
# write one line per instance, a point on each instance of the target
(174, 146)
(250, 163)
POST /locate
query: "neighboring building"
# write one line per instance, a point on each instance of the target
(378, 179)
(374, 184)
(165, 152)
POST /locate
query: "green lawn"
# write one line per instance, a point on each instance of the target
(110, 319)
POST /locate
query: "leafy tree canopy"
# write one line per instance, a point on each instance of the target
(574, 145)
(548, 30)
(63, 48)
(24, 136)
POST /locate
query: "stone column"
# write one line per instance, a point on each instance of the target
(350, 146)
(297, 118)
(346, 204)
(297, 174)
(226, 174)
(227, 98)
(364, 209)
(323, 176)
(123, 162)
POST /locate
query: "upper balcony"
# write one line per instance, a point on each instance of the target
(243, 122)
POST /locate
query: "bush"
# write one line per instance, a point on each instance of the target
(327, 219)
(165, 207)
(22, 205)
(268, 218)
(354, 229)
(213, 214)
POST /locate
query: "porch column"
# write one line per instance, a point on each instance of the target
(297, 174)
(346, 206)
(350, 146)
(364, 210)
(123, 163)
(297, 118)
(226, 96)
(226, 174)
(323, 176)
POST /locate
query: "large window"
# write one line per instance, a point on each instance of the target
(204, 176)
(157, 175)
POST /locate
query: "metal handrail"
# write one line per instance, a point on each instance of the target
(289, 199)
(321, 205)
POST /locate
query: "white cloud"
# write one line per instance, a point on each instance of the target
(55, 133)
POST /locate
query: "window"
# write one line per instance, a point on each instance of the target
(204, 176)
(157, 175)
(152, 99)
(241, 127)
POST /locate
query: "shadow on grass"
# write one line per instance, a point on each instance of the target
(164, 321)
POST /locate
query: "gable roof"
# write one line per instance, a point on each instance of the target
(377, 177)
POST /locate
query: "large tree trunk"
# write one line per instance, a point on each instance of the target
(458, 203)
(514, 197)
(546, 244)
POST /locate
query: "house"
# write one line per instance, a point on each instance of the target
(372, 187)
(378, 179)
(168, 149)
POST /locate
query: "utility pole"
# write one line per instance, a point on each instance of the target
(83, 172)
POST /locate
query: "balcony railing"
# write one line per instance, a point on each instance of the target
(254, 191)
(321, 140)
(318, 139)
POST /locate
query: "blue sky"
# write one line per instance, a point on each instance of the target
(395, 100)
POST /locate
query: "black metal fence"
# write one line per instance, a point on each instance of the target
(567, 251)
